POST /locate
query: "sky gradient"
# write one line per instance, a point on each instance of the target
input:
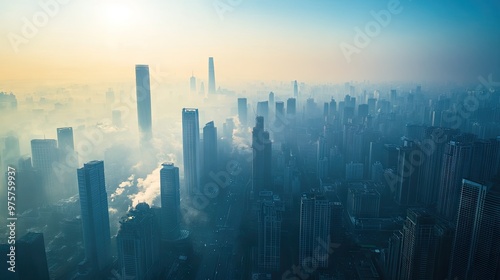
(100, 41)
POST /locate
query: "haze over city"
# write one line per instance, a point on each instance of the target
(249, 139)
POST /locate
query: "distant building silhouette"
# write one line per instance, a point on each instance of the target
(192, 84)
(211, 76)
(170, 201)
(191, 150)
(242, 111)
(95, 216)
(143, 91)
(295, 89)
(138, 243)
(262, 158)
(291, 107)
(44, 155)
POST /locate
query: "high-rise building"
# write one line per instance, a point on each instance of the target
(291, 107)
(295, 89)
(315, 218)
(30, 261)
(270, 216)
(211, 76)
(170, 201)
(263, 110)
(44, 156)
(262, 158)
(242, 111)
(65, 141)
(138, 243)
(408, 172)
(393, 255)
(192, 84)
(210, 162)
(11, 152)
(191, 150)
(354, 171)
(423, 239)
(143, 91)
(202, 88)
(363, 202)
(95, 216)
(476, 248)
(271, 100)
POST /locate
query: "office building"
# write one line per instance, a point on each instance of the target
(95, 216)
(143, 91)
(210, 162)
(262, 158)
(476, 248)
(191, 150)
(270, 216)
(315, 219)
(242, 111)
(138, 244)
(170, 201)
(211, 76)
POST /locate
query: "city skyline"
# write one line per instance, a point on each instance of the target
(322, 140)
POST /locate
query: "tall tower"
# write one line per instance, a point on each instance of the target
(476, 248)
(138, 243)
(295, 89)
(262, 158)
(422, 249)
(315, 218)
(269, 230)
(44, 155)
(210, 163)
(65, 139)
(192, 84)
(242, 111)
(191, 150)
(456, 165)
(291, 107)
(211, 76)
(94, 213)
(170, 201)
(143, 90)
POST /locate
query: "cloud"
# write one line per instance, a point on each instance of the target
(148, 188)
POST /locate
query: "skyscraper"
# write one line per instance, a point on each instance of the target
(295, 89)
(269, 231)
(211, 76)
(315, 218)
(30, 258)
(192, 84)
(242, 111)
(262, 158)
(476, 248)
(422, 246)
(44, 156)
(65, 139)
(94, 213)
(143, 90)
(138, 244)
(263, 110)
(291, 107)
(191, 150)
(170, 201)
(210, 163)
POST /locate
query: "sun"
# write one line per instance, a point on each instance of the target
(117, 14)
